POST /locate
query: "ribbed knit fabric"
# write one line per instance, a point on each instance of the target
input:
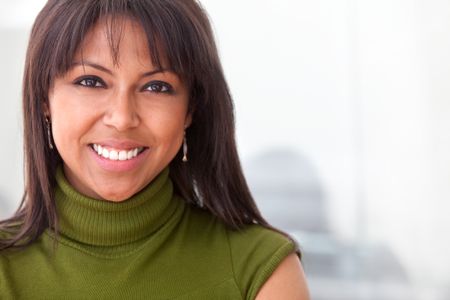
(151, 246)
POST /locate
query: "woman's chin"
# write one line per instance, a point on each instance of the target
(115, 197)
(114, 190)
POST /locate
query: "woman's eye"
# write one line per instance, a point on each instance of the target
(90, 82)
(159, 87)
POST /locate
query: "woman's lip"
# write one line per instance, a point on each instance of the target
(120, 144)
(118, 165)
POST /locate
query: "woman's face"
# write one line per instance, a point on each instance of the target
(117, 126)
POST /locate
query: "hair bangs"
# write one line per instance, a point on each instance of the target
(165, 26)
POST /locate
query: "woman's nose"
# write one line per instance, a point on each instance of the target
(121, 112)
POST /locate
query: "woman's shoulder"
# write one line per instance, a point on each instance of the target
(255, 239)
(251, 236)
(254, 251)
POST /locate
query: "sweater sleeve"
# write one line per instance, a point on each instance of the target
(255, 253)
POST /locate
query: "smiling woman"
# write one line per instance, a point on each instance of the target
(115, 94)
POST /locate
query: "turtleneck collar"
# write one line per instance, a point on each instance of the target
(104, 223)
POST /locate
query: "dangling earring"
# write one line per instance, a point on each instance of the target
(49, 132)
(185, 148)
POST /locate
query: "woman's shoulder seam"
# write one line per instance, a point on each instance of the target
(232, 262)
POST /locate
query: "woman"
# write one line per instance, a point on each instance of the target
(134, 188)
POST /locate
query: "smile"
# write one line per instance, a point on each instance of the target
(116, 154)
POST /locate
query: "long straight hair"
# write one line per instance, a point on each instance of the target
(179, 34)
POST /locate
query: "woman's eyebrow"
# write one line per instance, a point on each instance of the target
(91, 64)
(106, 70)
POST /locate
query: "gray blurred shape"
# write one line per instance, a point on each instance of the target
(287, 189)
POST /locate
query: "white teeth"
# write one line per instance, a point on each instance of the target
(123, 155)
(114, 154)
(105, 153)
(130, 154)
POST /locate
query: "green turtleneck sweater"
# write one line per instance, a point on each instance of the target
(152, 246)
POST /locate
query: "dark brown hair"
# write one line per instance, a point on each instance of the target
(179, 34)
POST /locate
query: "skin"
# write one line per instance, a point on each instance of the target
(287, 282)
(119, 105)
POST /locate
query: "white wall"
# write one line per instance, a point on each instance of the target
(405, 67)
(11, 62)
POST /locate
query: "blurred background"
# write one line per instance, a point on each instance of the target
(343, 126)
